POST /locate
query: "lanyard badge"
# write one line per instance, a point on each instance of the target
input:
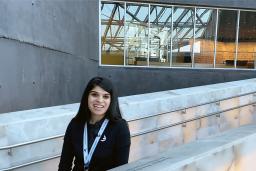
(87, 153)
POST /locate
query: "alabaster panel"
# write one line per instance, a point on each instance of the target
(244, 100)
(253, 112)
(5, 159)
(151, 144)
(238, 156)
(208, 126)
(206, 109)
(229, 119)
(3, 138)
(246, 155)
(169, 119)
(229, 103)
(141, 125)
(189, 113)
(143, 146)
(49, 165)
(167, 145)
(35, 129)
(220, 161)
(35, 151)
(222, 91)
(254, 97)
(191, 90)
(172, 133)
(246, 86)
(40, 113)
(230, 151)
(246, 115)
(139, 106)
(189, 131)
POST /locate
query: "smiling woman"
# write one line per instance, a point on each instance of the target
(98, 103)
(97, 138)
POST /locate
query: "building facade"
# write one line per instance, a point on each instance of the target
(50, 49)
(172, 44)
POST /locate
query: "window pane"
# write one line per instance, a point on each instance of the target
(112, 33)
(247, 40)
(183, 28)
(204, 37)
(160, 35)
(136, 34)
(226, 46)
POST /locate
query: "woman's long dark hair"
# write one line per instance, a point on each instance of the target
(113, 112)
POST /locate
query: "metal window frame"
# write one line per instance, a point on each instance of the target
(237, 35)
(194, 40)
(215, 38)
(148, 46)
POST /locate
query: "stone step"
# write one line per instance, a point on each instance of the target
(232, 150)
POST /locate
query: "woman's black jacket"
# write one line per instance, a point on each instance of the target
(111, 151)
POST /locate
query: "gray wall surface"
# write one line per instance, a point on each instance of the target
(137, 80)
(49, 50)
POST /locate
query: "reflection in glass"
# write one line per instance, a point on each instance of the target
(160, 35)
(204, 37)
(112, 33)
(182, 37)
(165, 37)
(226, 40)
(136, 34)
(247, 40)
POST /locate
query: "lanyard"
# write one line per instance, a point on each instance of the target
(87, 157)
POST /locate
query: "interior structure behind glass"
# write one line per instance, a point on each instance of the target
(157, 35)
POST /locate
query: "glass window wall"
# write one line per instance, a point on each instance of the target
(205, 30)
(246, 55)
(226, 39)
(112, 33)
(157, 35)
(160, 35)
(137, 30)
(182, 37)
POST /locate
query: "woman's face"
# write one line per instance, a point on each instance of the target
(98, 102)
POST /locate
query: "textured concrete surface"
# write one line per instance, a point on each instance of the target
(49, 50)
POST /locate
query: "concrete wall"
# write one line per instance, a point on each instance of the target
(137, 80)
(49, 50)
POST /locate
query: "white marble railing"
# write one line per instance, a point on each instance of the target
(158, 121)
(232, 150)
(215, 108)
(21, 127)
